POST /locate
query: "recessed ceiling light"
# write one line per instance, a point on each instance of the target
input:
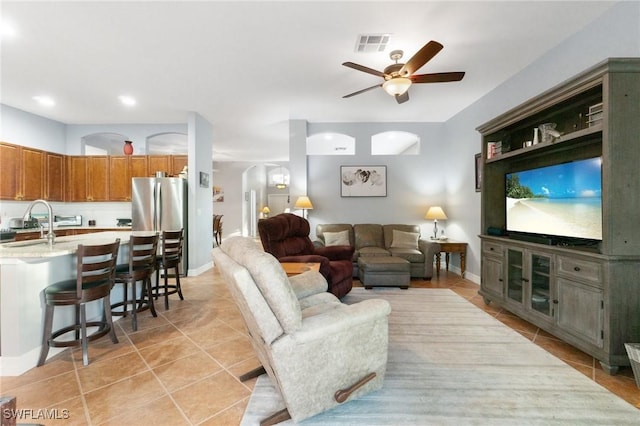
(127, 100)
(44, 100)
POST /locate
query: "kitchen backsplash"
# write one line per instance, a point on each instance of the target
(106, 215)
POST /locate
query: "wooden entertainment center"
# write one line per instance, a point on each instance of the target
(585, 294)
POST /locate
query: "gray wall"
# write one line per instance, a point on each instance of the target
(414, 182)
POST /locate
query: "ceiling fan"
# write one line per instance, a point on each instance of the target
(398, 77)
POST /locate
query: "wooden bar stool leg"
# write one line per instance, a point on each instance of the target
(83, 331)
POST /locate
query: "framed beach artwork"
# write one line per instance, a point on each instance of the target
(363, 181)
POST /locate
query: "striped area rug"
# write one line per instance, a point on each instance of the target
(450, 363)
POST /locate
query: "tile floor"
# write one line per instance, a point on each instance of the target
(181, 367)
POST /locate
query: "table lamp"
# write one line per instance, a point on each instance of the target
(303, 203)
(266, 211)
(434, 213)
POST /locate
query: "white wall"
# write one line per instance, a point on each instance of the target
(615, 34)
(199, 146)
(22, 128)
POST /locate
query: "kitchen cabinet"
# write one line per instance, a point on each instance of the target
(177, 164)
(171, 165)
(23, 172)
(585, 294)
(87, 178)
(54, 183)
(121, 169)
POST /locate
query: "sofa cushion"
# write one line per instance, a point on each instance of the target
(411, 255)
(403, 239)
(334, 227)
(336, 238)
(373, 252)
(388, 232)
(368, 235)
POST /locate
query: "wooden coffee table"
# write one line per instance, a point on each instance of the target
(295, 268)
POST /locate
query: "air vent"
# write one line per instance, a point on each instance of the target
(372, 42)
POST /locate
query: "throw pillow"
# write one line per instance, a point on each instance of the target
(403, 239)
(336, 238)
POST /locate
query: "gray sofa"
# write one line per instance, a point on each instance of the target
(374, 240)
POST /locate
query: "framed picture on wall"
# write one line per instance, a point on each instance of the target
(363, 181)
(478, 161)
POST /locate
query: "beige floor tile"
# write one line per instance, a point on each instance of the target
(105, 372)
(216, 333)
(210, 396)
(230, 416)
(155, 335)
(68, 413)
(40, 394)
(232, 351)
(160, 412)
(168, 350)
(187, 370)
(123, 396)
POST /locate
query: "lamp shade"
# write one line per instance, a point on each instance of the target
(435, 213)
(303, 203)
(396, 85)
(266, 210)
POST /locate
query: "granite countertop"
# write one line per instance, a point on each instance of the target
(63, 245)
(64, 228)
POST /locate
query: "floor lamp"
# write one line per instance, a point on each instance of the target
(303, 203)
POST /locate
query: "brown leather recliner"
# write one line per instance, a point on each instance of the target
(286, 237)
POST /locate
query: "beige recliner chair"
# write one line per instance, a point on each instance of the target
(317, 351)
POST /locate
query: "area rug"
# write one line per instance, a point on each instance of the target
(450, 363)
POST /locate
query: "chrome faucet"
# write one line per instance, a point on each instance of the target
(50, 235)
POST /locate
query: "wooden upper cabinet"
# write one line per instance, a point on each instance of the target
(138, 166)
(23, 172)
(177, 163)
(76, 179)
(32, 173)
(98, 174)
(87, 178)
(159, 163)
(119, 178)
(9, 164)
(54, 172)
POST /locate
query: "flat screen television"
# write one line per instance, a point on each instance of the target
(561, 202)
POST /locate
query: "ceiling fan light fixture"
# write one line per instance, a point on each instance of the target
(397, 85)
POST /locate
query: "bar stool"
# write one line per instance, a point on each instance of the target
(94, 280)
(171, 257)
(141, 265)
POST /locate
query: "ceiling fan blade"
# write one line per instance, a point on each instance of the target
(423, 56)
(439, 77)
(402, 98)
(362, 91)
(363, 69)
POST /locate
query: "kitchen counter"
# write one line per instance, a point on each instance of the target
(63, 245)
(26, 268)
(73, 228)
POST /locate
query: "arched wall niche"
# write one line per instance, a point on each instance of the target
(395, 142)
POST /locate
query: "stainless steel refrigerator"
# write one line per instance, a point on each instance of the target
(160, 204)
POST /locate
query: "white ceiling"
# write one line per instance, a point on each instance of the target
(249, 67)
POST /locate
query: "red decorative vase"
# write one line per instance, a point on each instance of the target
(128, 147)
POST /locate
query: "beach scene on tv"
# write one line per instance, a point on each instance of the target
(559, 200)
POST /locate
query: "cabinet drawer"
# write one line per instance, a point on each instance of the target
(492, 249)
(582, 270)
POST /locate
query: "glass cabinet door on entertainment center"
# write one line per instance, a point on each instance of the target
(540, 284)
(515, 275)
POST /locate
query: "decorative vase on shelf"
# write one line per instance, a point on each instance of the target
(128, 147)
